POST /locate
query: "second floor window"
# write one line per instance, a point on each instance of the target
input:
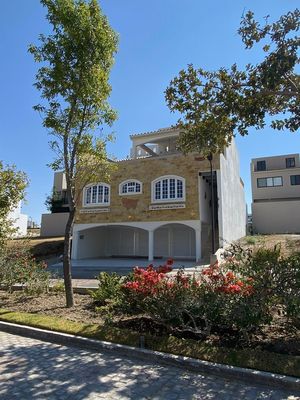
(290, 162)
(269, 182)
(295, 180)
(98, 194)
(261, 165)
(168, 188)
(130, 187)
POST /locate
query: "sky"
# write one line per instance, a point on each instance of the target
(157, 38)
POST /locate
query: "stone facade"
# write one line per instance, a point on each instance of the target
(135, 207)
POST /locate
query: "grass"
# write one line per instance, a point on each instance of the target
(247, 358)
(252, 240)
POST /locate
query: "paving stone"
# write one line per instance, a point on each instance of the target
(33, 369)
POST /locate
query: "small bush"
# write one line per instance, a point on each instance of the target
(108, 295)
(17, 266)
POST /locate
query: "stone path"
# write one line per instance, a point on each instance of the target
(32, 369)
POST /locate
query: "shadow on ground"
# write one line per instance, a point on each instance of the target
(32, 369)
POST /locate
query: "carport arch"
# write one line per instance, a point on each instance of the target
(174, 239)
(110, 241)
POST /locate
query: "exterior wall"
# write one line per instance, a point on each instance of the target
(59, 182)
(232, 205)
(132, 208)
(19, 221)
(276, 209)
(276, 217)
(204, 200)
(276, 162)
(277, 192)
(54, 224)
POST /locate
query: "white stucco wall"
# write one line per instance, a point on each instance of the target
(204, 199)
(276, 217)
(54, 224)
(19, 221)
(232, 205)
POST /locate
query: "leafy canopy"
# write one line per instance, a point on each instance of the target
(74, 82)
(12, 187)
(214, 105)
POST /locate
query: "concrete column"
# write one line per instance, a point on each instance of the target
(150, 245)
(198, 243)
(75, 239)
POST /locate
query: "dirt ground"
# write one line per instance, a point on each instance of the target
(288, 243)
(279, 337)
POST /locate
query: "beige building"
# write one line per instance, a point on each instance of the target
(54, 223)
(276, 194)
(158, 203)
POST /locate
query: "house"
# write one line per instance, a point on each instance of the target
(54, 223)
(158, 203)
(19, 221)
(276, 194)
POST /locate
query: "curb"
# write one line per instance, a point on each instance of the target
(199, 366)
(76, 289)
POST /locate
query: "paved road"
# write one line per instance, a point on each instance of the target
(32, 369)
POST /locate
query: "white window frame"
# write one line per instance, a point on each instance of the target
(130, 193)
(84, 195)
(168, 200)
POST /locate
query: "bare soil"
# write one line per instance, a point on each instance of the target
(289, 243)
(280, 337)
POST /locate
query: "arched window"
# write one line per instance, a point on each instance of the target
(96, 194)
(168, 188)
(131, 186)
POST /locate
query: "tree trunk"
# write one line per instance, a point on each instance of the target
(67, 261)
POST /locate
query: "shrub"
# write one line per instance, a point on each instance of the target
(109, 290)
(276, 278)
(217, 298)
(17, 266)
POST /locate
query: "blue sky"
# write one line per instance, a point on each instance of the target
(157, 39)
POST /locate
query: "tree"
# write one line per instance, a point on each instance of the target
(73, 80)
(216, 105)
(12, 187)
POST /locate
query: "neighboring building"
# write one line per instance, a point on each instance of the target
(276, 194)
(54, 224)
(19, 221)
(158, 203)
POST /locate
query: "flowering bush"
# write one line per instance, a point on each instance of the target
(239, 294)
(18, 266)
(215, 298)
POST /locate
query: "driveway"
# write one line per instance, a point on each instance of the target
(90, 268)
(33, 369)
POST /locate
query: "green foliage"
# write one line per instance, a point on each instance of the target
(276, 278)
(58, 287)
(108, 295)
(55, 202)
(239, 295)
(73, 80)
(17, 266)
(12, 187)
(215, 105)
